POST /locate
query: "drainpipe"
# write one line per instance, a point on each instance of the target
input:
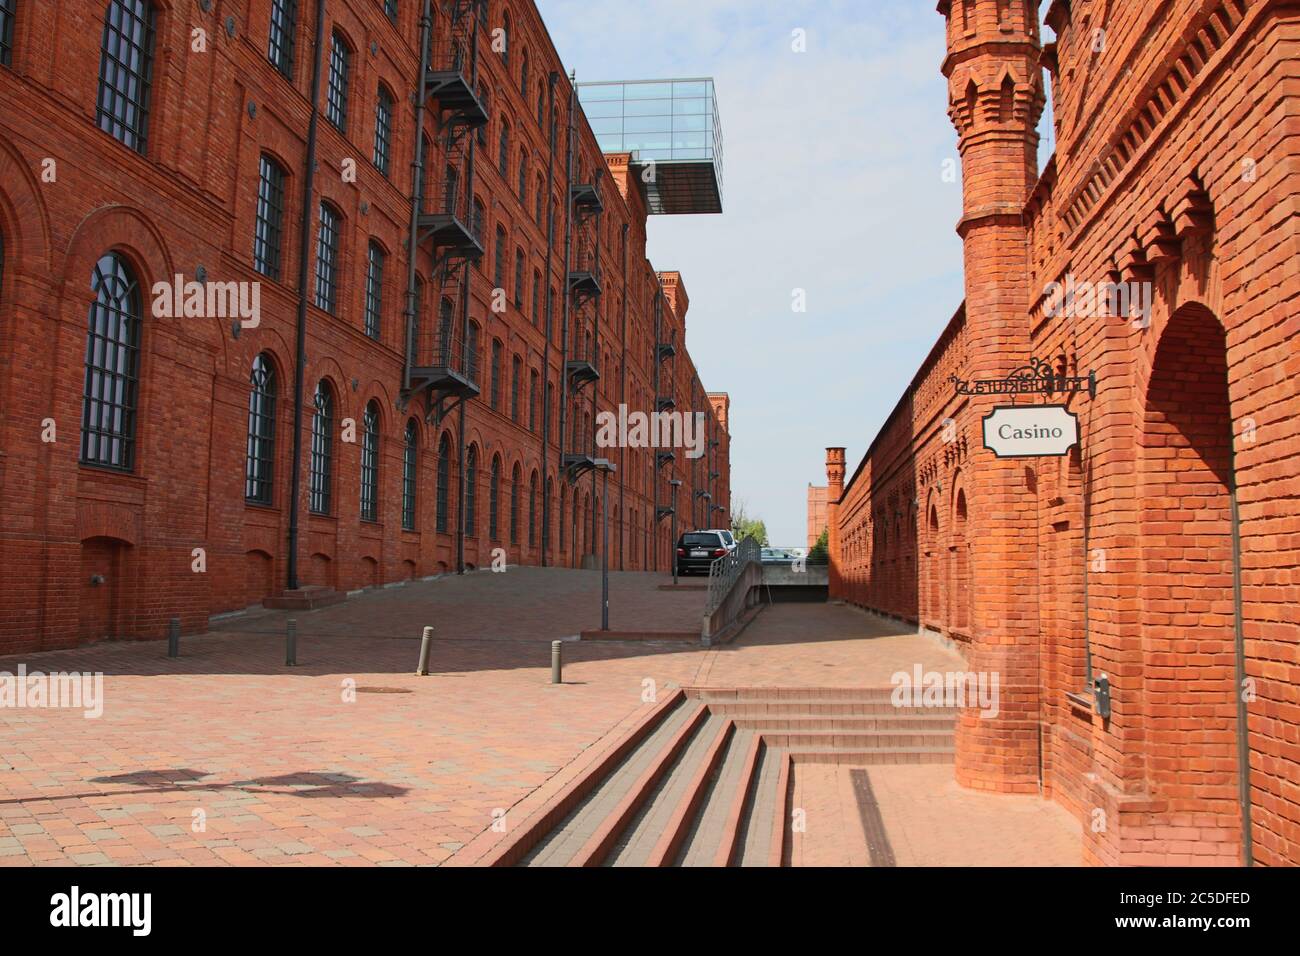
(554, 78)
(564, 308)
(1243, 729)
(413, 245)
(304, 244)
(622, 400)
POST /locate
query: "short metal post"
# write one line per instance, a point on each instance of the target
(174, 637)
(557, 662)
(291, 643)
(426, 644)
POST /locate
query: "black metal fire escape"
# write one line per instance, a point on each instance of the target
(582, 363)
(441, 363)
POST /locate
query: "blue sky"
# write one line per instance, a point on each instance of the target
(833, 164)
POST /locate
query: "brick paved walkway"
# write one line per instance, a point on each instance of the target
(225, 756)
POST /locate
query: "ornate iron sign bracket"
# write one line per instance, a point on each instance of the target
(1036, 378)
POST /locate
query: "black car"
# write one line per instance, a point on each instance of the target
(696, 550)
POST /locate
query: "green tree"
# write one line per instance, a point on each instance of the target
(820, 553)
(743, 526)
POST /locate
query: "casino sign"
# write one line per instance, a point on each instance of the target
(1031, 431)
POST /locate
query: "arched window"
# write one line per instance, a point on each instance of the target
(322, 449)
(541, 106)
(112, 367)
(471, 492)
(336, 96)
(259, 470)
(499, 274)
(516, 382)
(126, 71)
(519, 279)
(503, 151)
(444, 481)
(390, 8)
(284, 16)
(383, 130)
(269, 223)
(505, 30)
(370, 463)
(523, 77)
(480, 221)
(494, 395)
(523, 178)
(374, 289)
(445, 339)
(410, 464)
(514, 506)
(471, 353)
(327, 258)
(532, 512)
(546, 526)
(494, 499)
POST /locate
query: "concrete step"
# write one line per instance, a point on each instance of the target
(814, 708)
(714, 838)
(882, 755)
(824, 694)
(657, 833)
(560, 845)
(860, 740)
(763, 812)
(853, 724)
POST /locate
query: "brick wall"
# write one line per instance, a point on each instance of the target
(1174, 169)
(188, 202)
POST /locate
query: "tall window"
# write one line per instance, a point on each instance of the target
(503, 151)
(327, 258)
(445, 338)
(125, 71)
(471, 353)
(336, 96)
(499, 276)
(505, 30)
(541, 106)
(284, 16)
(370, 463)
(321, 466)
(112, 367)
(410, 460)
(260, 466)
(494, 500)
(523, 78)
(374, 290)
(537, 297)
(519, 279)
(546, 525)
(479, 219)
(383, 129)
(444, 481)
(390, 8)
(514, 506)
(523, 179)
(538, 190)
(516, 376)
(471, 492)
(532, 400)
(270, 217)
(495, 394)
(532, 512)
(6, 31)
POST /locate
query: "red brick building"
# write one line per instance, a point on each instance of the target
(817, 513)
(428, 409)
(1162, 552)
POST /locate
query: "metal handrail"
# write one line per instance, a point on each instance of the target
(725, 571)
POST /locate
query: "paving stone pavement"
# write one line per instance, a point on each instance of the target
(224, 756)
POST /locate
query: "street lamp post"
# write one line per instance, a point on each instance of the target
(672, 545)
(604, 466)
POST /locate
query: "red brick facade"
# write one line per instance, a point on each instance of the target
(88, 552)
(1177, 166)
(817, 513)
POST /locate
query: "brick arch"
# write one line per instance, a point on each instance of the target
(933, 555)
(1187, 570)
(959, 561)
(24, 220)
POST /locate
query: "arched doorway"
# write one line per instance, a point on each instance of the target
(1188, 567)
(959, 568)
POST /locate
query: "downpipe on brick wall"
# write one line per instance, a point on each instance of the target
(304, 240)
(1239, 621)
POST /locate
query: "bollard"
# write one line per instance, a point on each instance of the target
(425, 644)
(291, 643)
(174, 637)
(557, 663)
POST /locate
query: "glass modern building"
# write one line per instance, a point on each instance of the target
(672, 124)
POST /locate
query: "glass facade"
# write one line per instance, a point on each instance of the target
(667, 121)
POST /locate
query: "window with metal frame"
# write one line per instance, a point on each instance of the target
(514, 506)
(471, 492)
(494, 499)
(383, 130)
(410, 463)
(532, 512)
(494, 396)
(533, 382)
(321, 463)
(516, 375)
(374, 290)
(503, 151)
(499, 274)
(336, 94)
(259, 471)
(537, 297)
(8, 12)
(443, 482)
(327, 258)
(108, 416)
(390, 8)
(125, 71)
(370, 463)
(519, 279)
(269, 221)
(284, 21)
(523, 178)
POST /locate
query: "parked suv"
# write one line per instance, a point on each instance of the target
(696, 550)
(728, 539)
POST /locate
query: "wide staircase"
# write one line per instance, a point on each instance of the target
(705, 779)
